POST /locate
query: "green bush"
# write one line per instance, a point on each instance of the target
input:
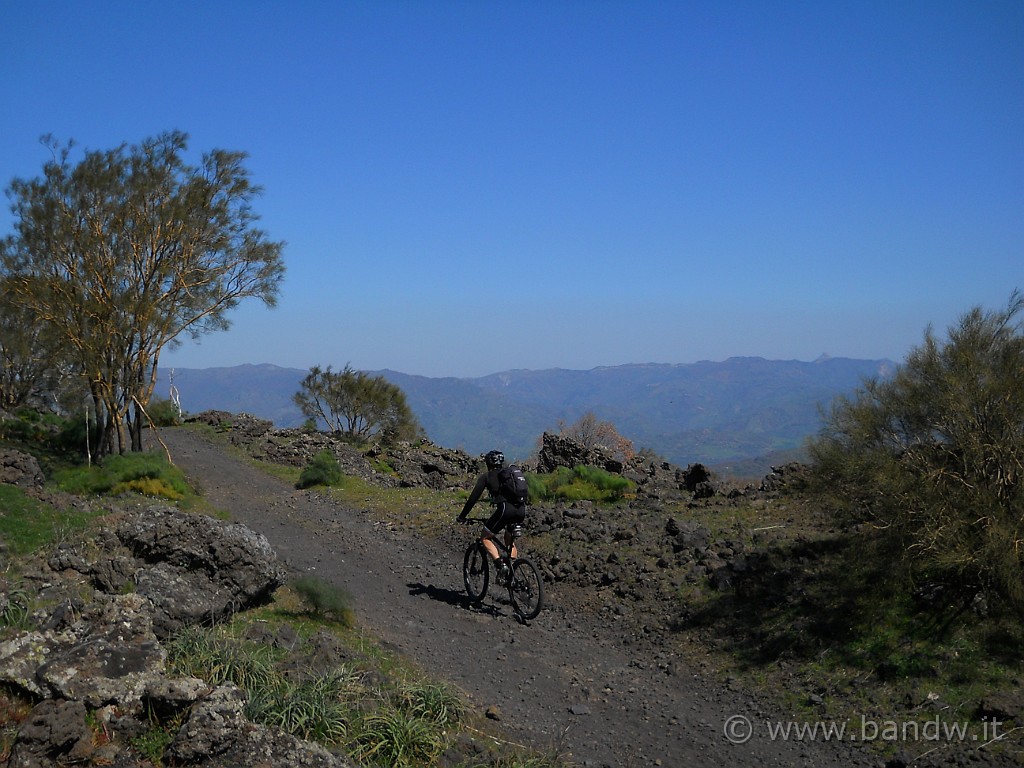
(163, 412)
(324, 599)
(933, 455)
(29, 426)
(71, 438)
(323, 469)
(581, 483)
(394, 737)
(433, 702)
(212, 655)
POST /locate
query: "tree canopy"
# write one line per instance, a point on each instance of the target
(356, 404)
(120, 253)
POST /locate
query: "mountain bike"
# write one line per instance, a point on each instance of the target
(518, 574)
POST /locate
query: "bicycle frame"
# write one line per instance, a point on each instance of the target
(522, 579)
(505, 550)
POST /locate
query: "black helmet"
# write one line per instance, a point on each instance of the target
(494, 459)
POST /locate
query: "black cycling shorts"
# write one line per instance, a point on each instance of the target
(505, 514)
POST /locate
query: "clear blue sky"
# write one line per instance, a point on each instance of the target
(611, 182)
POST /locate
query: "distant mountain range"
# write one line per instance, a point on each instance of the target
(739, 416)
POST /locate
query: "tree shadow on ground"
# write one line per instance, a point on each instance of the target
(792, 601)
(845, 595)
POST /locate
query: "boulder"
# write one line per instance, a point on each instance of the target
(101, 666)
(788, 477)
(20, 469)
(110, 656)
(54, 733)
(218, 735)
(242, 428)
(558, 451)
(195, 569)
(192, 568)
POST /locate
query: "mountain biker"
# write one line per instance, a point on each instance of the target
(506, 512)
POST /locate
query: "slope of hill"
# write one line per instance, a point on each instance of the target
(744, 413)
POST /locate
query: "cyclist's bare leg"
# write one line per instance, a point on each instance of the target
(487, 538)
(510, 545)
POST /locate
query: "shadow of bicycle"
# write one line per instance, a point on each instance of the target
(452, 597)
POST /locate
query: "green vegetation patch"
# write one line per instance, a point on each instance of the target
(27, 524)
(149, 474)
(29, 426)
(581, 483)
(360, 699)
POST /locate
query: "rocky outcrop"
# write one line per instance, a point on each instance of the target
(558, 451)
(21, 469)
(405, 464)
(191, 569)
(218, 735)
(242, 428)
(786, 478)
(94, 660)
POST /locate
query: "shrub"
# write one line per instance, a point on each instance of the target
(324, 599)
(935, 453)
(323, 469)
(395, 737)
(433, 702)
(23, 426)
(163, 412)
(580, 483)
(74, 434)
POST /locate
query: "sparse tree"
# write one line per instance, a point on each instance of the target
(30, 367)
(357, 404)
(935, 454)
(121, 253)
(591, 432)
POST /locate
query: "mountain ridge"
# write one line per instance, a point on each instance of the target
(743, 411)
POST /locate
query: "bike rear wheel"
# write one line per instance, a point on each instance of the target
(526, 589)
(476, 571)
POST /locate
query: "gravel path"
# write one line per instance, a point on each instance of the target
(566, 680)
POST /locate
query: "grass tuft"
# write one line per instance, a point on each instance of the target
(316, 708)
(323, 599)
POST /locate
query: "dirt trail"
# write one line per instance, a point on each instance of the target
(566, 679)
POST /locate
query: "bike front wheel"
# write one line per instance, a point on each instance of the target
(526, 589)
(476, 571)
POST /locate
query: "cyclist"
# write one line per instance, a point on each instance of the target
(506, 513)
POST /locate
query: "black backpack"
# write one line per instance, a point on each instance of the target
(512, 485)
